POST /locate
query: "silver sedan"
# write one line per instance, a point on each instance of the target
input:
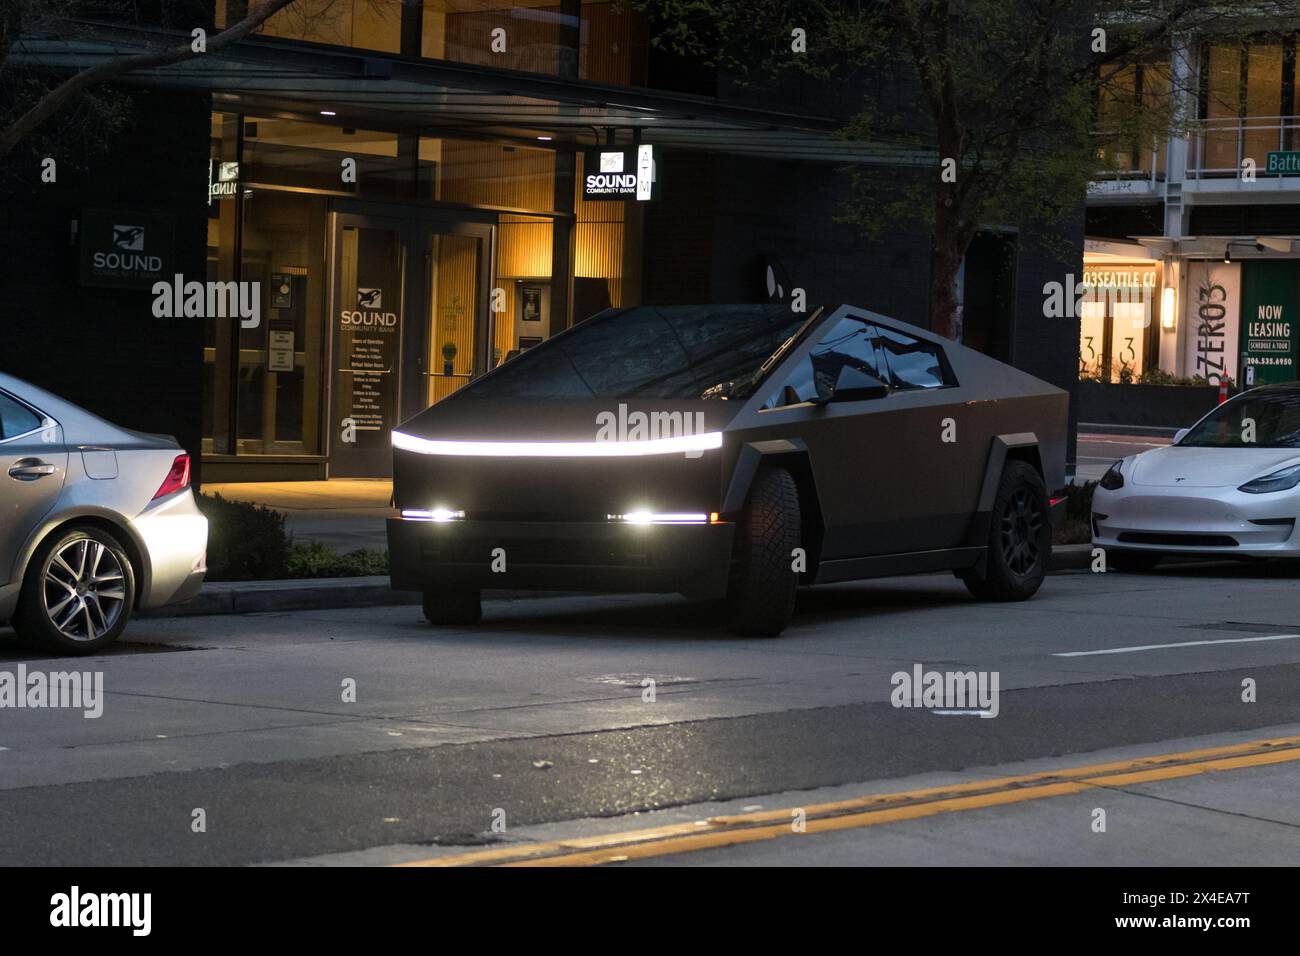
(95, 521)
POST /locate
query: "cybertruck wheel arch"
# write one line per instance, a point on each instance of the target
(1017, 446)
(793, 456)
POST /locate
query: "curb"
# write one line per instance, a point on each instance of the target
(255, 597)
(261, 597)
(1070, 557)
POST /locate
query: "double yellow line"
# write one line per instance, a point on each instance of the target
(873, 810)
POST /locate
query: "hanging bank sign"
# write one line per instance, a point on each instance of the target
(124, 250)
(619, 173)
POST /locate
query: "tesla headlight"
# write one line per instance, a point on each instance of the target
(1114, 477)
(1283, 480)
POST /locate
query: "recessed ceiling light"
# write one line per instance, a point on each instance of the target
(328, 113)
(545, 139)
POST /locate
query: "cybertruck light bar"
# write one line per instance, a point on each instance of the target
(558, 449)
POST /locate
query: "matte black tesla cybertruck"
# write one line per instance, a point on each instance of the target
(728, 452)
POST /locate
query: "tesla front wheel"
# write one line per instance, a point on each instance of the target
(1134, 562)
(1020, 539)
(760, 599)
(77, 593)
(453, 606)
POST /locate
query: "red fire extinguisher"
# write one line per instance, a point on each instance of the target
(1223, 392)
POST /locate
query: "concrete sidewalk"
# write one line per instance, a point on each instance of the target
(342, 513)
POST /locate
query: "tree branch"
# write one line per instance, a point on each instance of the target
(59, 97)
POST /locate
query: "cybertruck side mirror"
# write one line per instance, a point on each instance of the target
(851, 385)
(1180, 435)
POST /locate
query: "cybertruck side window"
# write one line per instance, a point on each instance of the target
(16, 419)
(911, 362)
(850, 342)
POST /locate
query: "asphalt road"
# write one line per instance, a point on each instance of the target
(537, 721)
(1097, 452)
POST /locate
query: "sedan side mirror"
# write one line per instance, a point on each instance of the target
(1180, 435)
(851, 385)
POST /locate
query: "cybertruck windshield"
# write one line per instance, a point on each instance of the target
(670, 352)
(1253, 421)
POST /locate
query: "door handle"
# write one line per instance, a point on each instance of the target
(29, 469)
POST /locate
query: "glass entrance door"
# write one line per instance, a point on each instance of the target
(410, 326)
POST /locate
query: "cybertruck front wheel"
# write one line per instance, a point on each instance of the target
(453, 606)
(77, 593)
(1020, 539)
(760, 597)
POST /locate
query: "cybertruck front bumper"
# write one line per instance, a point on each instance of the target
(613, 556)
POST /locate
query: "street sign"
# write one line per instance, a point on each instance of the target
(1283, 163)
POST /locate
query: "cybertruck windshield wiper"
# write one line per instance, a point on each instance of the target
(746, 386)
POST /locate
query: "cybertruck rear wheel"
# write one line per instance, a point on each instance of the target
(1020, 539)
(760, 598)
(77, 593)
(453, 606)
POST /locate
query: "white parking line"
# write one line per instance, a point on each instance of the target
(1161, 647)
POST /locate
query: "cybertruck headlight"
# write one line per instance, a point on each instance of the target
(432, 514)
(667, 517)
(1283, 480)
(689, 444)
(1113, 480)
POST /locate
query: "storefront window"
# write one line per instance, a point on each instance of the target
(313, 155)
(1129, 136)
(1242, 102)
(511, 36)
(1263, 102)
(1118, 321)
(614, 44)
(361, 24)
(1221, 107)
(606, 42)
(487, 174)
(600, 253)
(524, 246)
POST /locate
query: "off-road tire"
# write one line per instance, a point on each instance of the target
(1020, 538)
(761, 593)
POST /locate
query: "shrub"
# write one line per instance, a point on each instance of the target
(246, 542)
(315, 560)
(1077, 526)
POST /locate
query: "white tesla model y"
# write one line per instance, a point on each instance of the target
(1228, 486)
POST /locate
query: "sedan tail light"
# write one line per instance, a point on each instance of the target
(177, 478)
